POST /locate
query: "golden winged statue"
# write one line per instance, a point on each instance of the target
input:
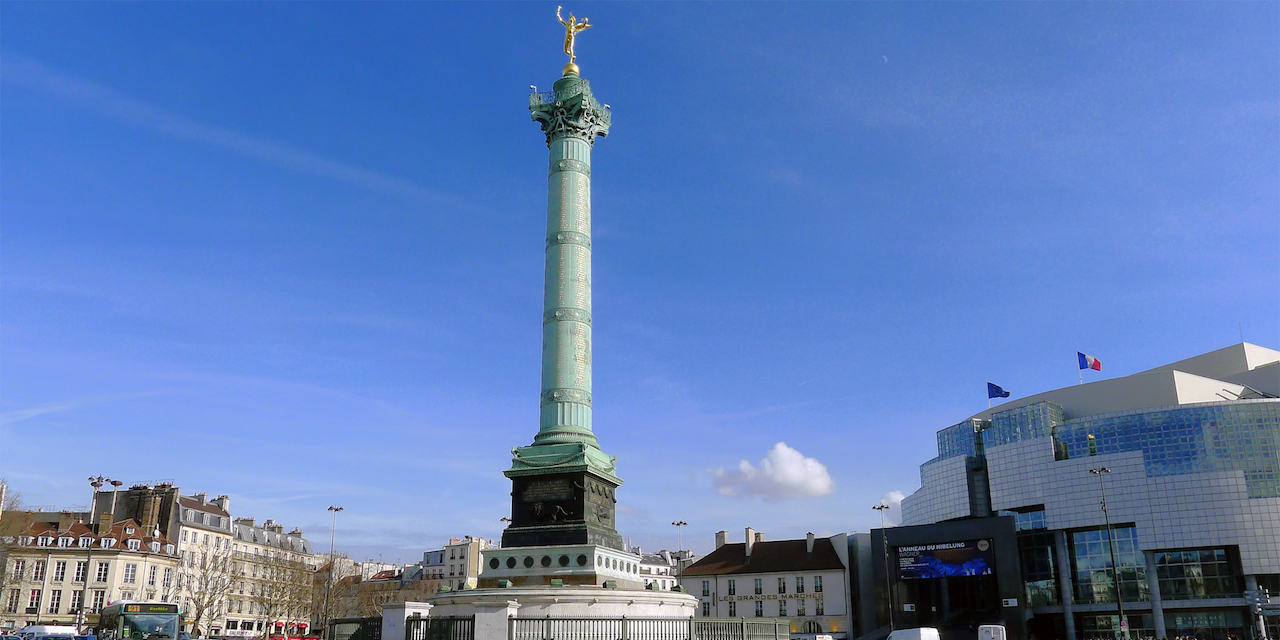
(571, 29)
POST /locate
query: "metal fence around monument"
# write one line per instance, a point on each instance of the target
(648, 629)
(440, 628)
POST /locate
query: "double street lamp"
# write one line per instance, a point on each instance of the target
(680, 525)
(328, 590)
(888, 584)
(1111, 544)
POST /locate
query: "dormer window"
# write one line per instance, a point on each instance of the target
(107, 543)
(155, 546)
(206, 518)
(135, 544)
(128, 531)
(86, 542)
(168, 548)
(45, 541)
(25, 540)
(65, 542)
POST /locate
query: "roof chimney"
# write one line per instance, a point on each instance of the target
(808, 544)
(223, 503)
(201, 497)
(722, 537)
(751, 540)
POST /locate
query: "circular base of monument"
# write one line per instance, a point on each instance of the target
(567, 602)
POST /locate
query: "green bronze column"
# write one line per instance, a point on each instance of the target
(571, 119)
(563, 484)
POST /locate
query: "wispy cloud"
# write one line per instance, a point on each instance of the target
(783, 474)
(34, 75)
(19, 415)
(893, 515)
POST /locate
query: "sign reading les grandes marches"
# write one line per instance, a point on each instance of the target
(946, 559)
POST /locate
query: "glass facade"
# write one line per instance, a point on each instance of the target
(1023, 423)
(1197, 573)
(1241, 436)
(1091, 565)
(960, 439)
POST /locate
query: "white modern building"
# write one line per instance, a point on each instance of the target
(1188, 455)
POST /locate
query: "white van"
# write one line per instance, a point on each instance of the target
(920, 633)
(31, 631)
(991, 632)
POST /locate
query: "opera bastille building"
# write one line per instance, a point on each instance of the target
(1008, 524)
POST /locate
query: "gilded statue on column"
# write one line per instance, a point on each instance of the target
(571, 29)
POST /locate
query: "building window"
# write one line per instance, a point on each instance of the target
(34, 601)
(782, 608)
(86, 542)
(1194, 574)
(98, 598)
(733, 588)
(168, 577)
(818, 607)
(103, 568)
(151, 576)
(77, 601)
(130, 574)
(817, 584)
(37, 570)
(127, 595)
(135, 544)
(800, 585)
(782, 585)
(19, 569)
(759, 608)
(55, 601)
(15, 596)
(184, 535)
(706, 609)
(66, 542)
(800, 607)
(60, 571)
(706, 587)
(82, 568)
(759, 586)
(1091, 562)
(733, 609)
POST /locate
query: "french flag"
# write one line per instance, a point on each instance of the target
(1089, 362)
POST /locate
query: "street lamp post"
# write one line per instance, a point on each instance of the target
(1111, 543)
(95, 483)
(328, 589)
(679, 525)
(888, 584)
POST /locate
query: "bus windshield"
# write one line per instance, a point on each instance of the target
(148, 625)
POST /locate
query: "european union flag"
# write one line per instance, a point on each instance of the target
(994, 391)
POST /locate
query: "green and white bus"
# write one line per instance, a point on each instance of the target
(139, 621)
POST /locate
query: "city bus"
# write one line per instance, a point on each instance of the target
(139, 621)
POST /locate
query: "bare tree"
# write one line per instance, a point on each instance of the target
(205, 578)
(13, 521)
(283, 592)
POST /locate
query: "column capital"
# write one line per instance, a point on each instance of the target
(570, 110)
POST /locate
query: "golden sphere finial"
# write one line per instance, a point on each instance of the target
(571, 68)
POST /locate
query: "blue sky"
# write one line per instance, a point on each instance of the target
(293, 252)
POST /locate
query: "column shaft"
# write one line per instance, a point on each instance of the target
(565, 414)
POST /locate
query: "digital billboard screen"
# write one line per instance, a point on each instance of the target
(946, 560)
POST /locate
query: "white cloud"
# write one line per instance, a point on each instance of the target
(893, 515)
(783, 474)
